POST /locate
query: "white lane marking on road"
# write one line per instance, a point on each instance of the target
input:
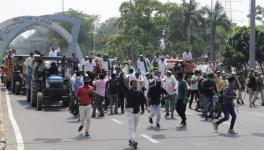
(150, 139)
(117, 121)
(226, 123)
(19, 138)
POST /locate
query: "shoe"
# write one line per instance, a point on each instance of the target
(111, 113)
(158, 125)
(101, 115)
(172, 116)
(134, 144)
(142, 112)
(150, 121)
(242, 102)
(93, 116)
(215, 126)
(183, 125)
(238, 102)
(122, 111)
(116, 112)
(262, 104)
(80, 128)
(87, 134)
(232, 131)
(130, 142)
(167, 115)
(254, 105)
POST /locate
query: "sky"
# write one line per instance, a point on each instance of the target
(104, 8)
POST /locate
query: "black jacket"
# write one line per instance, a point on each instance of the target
(134, 100)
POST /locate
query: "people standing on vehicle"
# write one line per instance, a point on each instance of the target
(85, 95)
(130, 76)
(194, 88)
(28, 63)
(156, 94)
(89, 67)
(252, 90)
(99, 95)
(181, 101)
(134, 99)
(228, 106)
(187, 55)
(74, 103)
(53, 52)
(74, 63)
(210, 95)
(162, 67)
(170, 85)
(112, 87)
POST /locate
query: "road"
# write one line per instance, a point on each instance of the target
(54, 128)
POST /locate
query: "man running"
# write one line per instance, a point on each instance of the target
(155, 93)
(228, 107)
(84, 93)
(134, 99)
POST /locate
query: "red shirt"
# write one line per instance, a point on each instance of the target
(84, 92)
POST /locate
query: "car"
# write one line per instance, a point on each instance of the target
(48, 84)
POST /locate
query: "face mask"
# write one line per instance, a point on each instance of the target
(86, 83)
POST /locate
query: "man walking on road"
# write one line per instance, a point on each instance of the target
(228, 107)
(170, 85)
(181, 98)
(84, 93)
(155, 94)
(134, 99)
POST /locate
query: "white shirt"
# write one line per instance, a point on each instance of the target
(170, 84)
(130, 77)
(141, 67)
(54, 53)
(82, 63)
(89, 66)
(28, 61)
(186, 56)
(162, 68)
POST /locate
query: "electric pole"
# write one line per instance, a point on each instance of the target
(252, 41)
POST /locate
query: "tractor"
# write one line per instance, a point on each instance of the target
(48, 84)
(18, 82)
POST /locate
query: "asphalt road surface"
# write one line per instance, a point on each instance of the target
(55, 128)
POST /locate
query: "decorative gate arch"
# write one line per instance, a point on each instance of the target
(13, 27)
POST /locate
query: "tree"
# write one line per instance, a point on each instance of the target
(219, 22)
(236, 51)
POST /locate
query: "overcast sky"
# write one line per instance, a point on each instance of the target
(104, 8)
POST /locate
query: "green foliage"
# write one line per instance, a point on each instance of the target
(236, 51)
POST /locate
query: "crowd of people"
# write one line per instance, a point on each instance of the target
(102, 85)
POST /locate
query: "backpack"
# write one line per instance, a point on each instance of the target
(77, 83)
(113, 86)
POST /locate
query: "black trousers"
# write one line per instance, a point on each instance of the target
(181, 108)
(121, 96)
(194, 93)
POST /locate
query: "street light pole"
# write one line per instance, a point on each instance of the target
(252, 41)
(62, 5)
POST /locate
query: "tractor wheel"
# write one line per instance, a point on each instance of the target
(34, 90)
(39, 101)
(17, 88)
(65, 101)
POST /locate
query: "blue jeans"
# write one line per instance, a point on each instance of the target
(209, 101)
(228, 109)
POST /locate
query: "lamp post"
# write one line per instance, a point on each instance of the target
(62, 5)
(252, 40)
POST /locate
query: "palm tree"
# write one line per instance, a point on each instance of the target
(193, 17)
(218, 19)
